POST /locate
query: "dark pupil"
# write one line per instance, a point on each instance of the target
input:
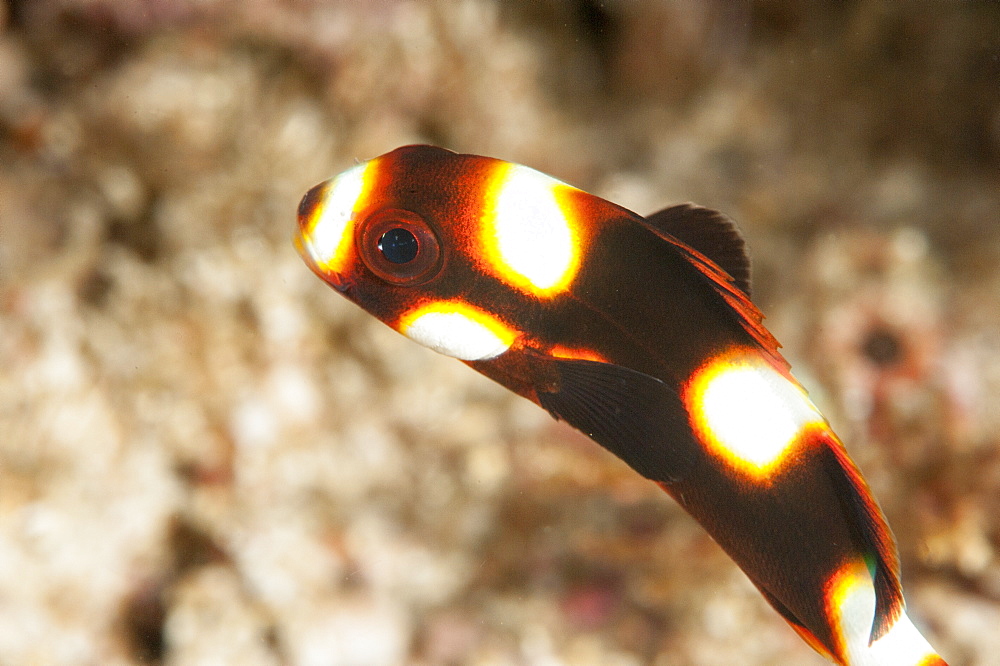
(398, 246)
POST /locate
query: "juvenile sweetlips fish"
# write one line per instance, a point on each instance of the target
(639, 332)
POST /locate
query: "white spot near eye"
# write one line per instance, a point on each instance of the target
(327, 239)
(528, 236)
(459, 331)
(748, 411)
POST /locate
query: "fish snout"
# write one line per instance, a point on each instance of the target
(306, 241)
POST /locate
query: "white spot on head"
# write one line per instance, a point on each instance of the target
(328, 236)
(457, 330)
(748, 411)
(528, 236)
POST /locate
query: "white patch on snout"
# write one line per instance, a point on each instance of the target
(528, 237)
(330, 233)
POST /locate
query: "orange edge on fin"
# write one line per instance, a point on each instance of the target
(889, 604)
(750, 317)
(812, 641)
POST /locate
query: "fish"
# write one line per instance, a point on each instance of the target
(639, 332)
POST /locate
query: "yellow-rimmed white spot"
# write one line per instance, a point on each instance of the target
(328, 235)
(850, 599)
(528, 239)
(850, 603)
(457, 329)
(748, 413)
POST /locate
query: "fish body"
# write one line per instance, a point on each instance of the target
(639, 332)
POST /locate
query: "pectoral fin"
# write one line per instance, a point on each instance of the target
(636, 416)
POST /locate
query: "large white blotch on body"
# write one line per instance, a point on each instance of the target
(328, 235)
(851, 599)
(747, 412)
(458, 330)
(529, 241)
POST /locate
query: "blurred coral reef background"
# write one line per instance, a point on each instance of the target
(208, 457)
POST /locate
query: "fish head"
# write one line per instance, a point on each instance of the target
(451, 250)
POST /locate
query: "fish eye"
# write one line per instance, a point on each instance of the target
(399, 246)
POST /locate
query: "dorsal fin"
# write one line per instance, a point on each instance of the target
(711, 233)
(738, 299)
